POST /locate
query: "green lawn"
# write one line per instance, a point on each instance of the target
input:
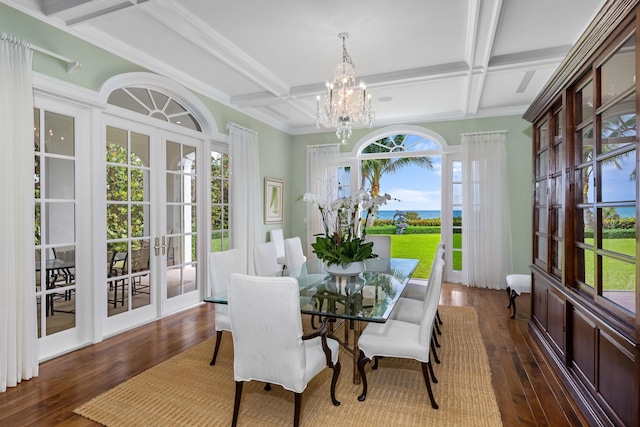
(617, 275)
(420, 246)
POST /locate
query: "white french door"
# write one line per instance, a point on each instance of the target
(151, 223)
(451, 229)
(178, 244)
(62, 276)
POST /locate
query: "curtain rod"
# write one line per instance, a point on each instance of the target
(71, 64)
(484, 133)
(237, 126)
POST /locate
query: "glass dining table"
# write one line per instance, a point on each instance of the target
(349, 301)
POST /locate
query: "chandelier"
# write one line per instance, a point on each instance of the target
(344, 101)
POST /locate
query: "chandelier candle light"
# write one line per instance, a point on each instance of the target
(340, 106)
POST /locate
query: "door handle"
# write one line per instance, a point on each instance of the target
(157, 246)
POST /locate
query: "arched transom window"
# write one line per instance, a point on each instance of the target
(401, 143)
(153, 104)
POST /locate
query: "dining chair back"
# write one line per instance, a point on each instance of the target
(277, 237)
(265, 260)
(221, 265)
(294, 255)
(268, 343)
(381, 244)
(417, 289)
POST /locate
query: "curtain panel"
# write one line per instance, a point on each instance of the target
(18, 320)
(486, 226)
(245, 192)
(322, 180)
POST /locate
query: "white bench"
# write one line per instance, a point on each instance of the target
(517, 284)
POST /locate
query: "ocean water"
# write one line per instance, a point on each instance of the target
(429, 214)
(426, 214)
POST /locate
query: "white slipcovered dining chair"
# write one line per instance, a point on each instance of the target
(265, 259)
(410, 310)
(277, 237)
(221, 266)
(268, 343)
(381, 244)
(294, 255)
(396, 338)
(295, 259)
(418, 289)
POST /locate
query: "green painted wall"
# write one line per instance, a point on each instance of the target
(282, 156)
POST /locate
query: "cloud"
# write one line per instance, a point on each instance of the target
(413, 200)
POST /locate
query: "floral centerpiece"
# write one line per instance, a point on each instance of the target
(345, 229)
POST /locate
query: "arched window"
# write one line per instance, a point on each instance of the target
(440, 194)
(154, 104)
(401, 143)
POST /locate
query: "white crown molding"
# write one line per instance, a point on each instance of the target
(48, 86)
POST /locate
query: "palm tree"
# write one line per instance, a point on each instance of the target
(373, 169)
(618, 130)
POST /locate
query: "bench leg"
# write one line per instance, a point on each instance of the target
(512, 302)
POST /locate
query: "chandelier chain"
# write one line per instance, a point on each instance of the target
(345, 55)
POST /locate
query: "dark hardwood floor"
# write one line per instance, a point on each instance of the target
(528, 392)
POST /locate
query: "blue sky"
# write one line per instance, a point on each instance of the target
(417, 188)
(616, 185)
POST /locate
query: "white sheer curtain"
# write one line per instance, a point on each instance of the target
(322, 179)
(18, 321)
(486, 225)
(246, 212)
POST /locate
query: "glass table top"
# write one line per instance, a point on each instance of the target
(369, 296)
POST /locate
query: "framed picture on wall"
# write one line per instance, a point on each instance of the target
(273, 201)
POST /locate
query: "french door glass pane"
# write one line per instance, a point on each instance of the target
(219, 201)
(128, 220)
(61, 182)
(54, 221)
(58, 134)
(181, 218)
(457, 194)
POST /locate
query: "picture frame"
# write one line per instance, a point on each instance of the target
(273, 201)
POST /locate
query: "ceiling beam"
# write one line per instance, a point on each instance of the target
(51, 7)
(176, 18)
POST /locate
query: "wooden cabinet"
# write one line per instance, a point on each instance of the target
(585, 287)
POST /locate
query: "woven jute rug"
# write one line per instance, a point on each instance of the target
(186, 391)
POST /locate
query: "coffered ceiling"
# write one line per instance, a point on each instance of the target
(422, 60)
